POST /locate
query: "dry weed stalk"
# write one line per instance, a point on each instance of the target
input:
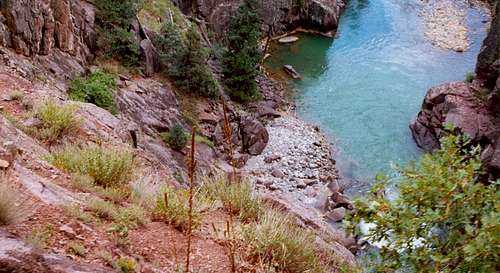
(228, 135)
(191, 173)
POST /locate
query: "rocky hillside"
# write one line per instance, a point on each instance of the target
(472, 107)
(87, 188)
(281, 16)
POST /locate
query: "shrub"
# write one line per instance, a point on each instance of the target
(125, 264)
(177, 137)
(8, 210)
(56, 120)
(109, 167)
(97, 88)
(470, 76)
(278, 242)
(76, 248)
(243, 55)
(172, 207)
(238, 197)
(443, 219)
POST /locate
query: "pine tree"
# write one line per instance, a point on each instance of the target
(243, 56)
(194, 74)
(186, 61)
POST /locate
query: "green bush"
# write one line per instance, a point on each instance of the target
(109, 167)
(444, 218)
(172, 207)
(113, 18)
(243, 56)
(177, 137)
(277, 241)
(96, 88)
(470, 76)
(238, 197)
(56, 120)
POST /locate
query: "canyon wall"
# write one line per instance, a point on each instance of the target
(283, 15)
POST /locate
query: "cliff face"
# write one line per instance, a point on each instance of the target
(283, 15)
(473, 108)
(67, 25)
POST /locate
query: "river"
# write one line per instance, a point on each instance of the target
(364, 87)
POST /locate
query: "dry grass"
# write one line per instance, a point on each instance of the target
(172, 206)
(238, 198)
(109, 167)
(277, 242)
(9, 213)
(56, 121)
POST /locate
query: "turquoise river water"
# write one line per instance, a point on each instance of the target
(364, 87)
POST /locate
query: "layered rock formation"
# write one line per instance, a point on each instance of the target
(472, 108)
(283, 15)
(67, 25)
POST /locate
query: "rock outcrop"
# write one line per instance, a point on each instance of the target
(472, 108)
(66, 25)
(19, 257)
(283, 15)
(148, 103)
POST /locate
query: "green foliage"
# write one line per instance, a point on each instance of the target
(8, 210)
(172, 207)
(177, 137)
(109, 167)
(170, 47)
(186, 62)
(194, 74)
(470, 76)
(238, 197)
(277, 241)
(114, 18)
(443, 220)
(56, 121)
(125, 264)
(96, 88)
(241, 60)
(204, 140)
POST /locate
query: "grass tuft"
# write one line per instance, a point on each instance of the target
(172, 207)
(238, 198)
(76, 249)
(41, 237)
(56, 120)
(102, 209)
(109, 167)
(276, 240)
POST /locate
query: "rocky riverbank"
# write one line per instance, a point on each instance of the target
(445, 22)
